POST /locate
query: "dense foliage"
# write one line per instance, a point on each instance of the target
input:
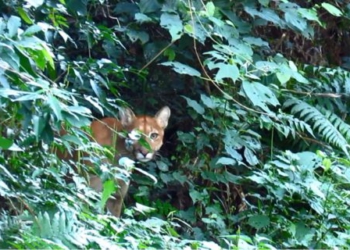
(256, 154)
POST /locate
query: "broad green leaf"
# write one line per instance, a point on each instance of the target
(55, 105)
(302, 232)
(173, 24)
(34, 3)
(309, 14)
(3, 188)
(226, 161)
(96, 88)
(170, 53)
(39, 123)
(257, 41)
(79, 6)
(250, 157)
(264, 13)
(48, 55)
(182, 68)
(259, 221)
(199, 196)
(142, 18)
(31, 30)
(13, 25)
(149, 6)
(195, 105)
(135, 35)
(260, 95)
(283, 78)
(108, 189)
(152, 177)
(332, 9)
(210, 8)
(208, 101)
(196, 30)
(226, 71)
(24, 15)
(295, 20)
(327, 164)
(5, 143)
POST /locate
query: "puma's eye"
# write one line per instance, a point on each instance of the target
(153, 136)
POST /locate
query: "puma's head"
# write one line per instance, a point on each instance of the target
(144, 129)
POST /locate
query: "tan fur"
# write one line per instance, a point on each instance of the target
(104, 133)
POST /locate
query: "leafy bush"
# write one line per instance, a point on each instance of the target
(256, 152)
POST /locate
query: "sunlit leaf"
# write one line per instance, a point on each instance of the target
(173, 24)
(259, 221)
(13, 25)
(182, 68)
(5, 143)
(332, 9)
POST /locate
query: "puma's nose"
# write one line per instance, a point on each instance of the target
(143, 151)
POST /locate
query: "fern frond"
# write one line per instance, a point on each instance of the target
(290, 126)
(319, 122)
(342, 127)
(63, 230)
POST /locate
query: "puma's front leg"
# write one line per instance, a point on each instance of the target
(115, 203)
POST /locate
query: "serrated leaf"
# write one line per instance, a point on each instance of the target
(182, 68)
(173, 24)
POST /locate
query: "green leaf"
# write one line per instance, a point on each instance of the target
(39, 123)
(210, 9)
(55, 105)
(260, 95)
(259, 221)
(108, 189)
(182, 68)
(226, 71)
(173, 24)
(24, 15)
(31, 30)
(34, 3)
(195, 105)
(13, 25)
(309, 14)
(295, 20)
(170, 53)
(5, 143)
(135, 35)
(226, 161)
(332, 9)
(148, 6)
(142, 18)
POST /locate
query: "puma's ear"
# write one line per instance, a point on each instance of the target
(162, 116)
(126, 116)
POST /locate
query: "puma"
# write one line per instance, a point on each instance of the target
(150, 129)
